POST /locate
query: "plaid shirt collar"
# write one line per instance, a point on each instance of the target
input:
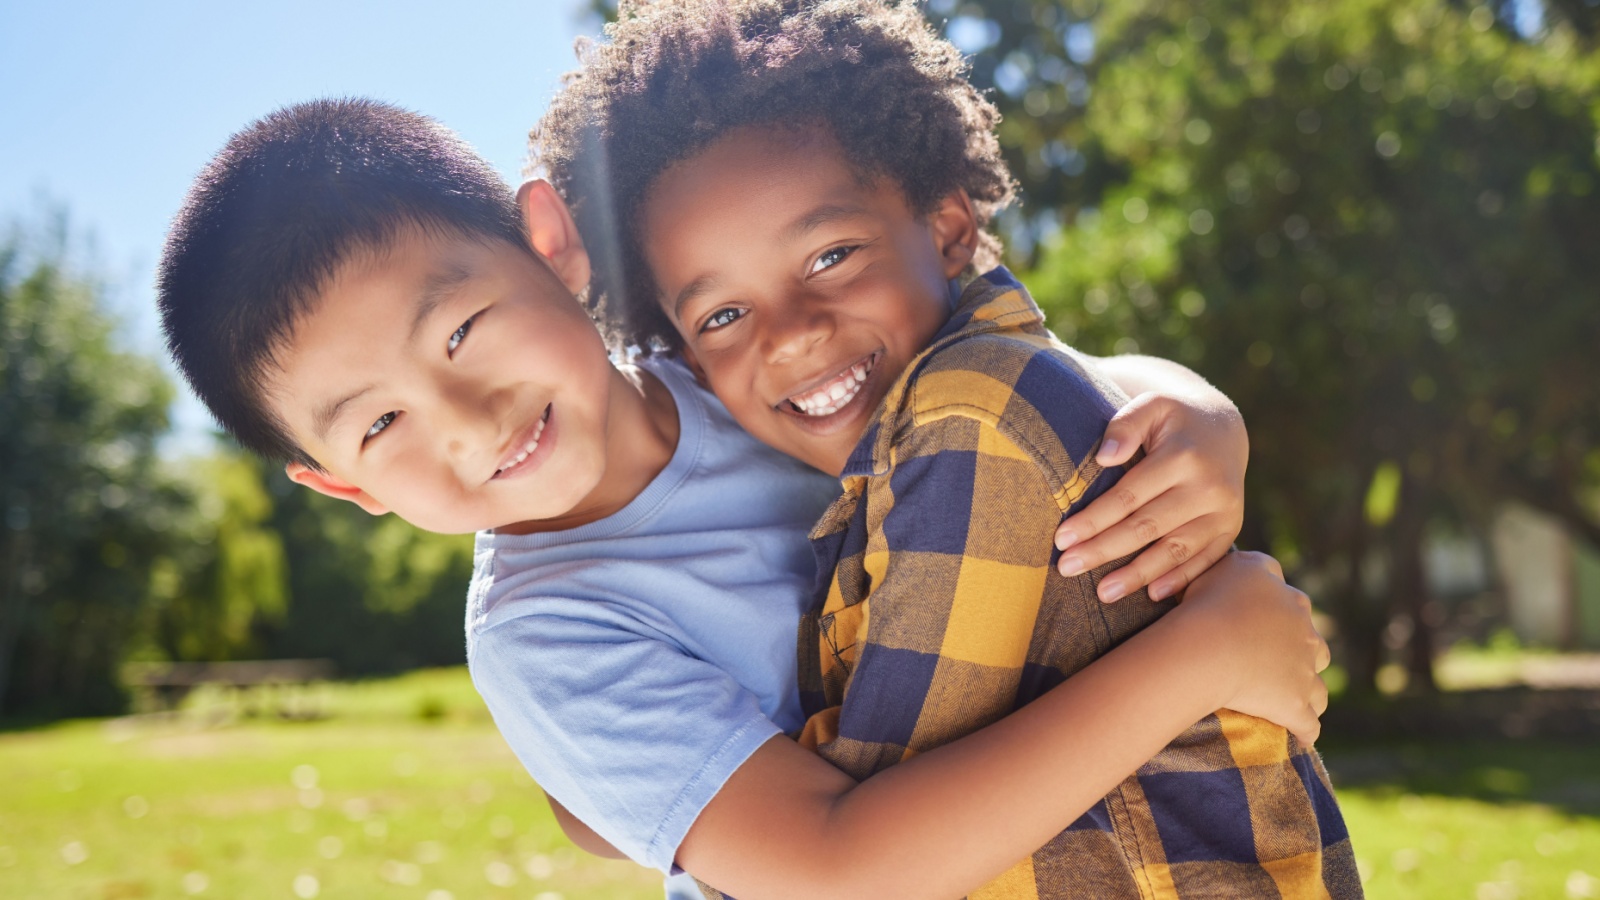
(993, 301)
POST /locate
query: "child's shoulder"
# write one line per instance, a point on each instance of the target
(1007, 394)
(996, 372)
(995, 357)
(1013, 379)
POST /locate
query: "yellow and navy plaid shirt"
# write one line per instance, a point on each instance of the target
(945, 612)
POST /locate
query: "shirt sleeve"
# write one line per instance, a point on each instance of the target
(628, 731)
(959, 561)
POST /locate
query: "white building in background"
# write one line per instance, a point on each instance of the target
(1551, 580)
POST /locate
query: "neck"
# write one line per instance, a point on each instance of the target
(641, 436)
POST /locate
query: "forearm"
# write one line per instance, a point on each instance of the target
(1136, 374)
(1023, 779)
(909, 830)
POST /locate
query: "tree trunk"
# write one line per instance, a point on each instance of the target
(1361, 624)
(1409, 587)
(13, 607)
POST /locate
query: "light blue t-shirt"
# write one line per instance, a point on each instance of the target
(635, 662)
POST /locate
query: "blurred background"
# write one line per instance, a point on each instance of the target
(1375, 225)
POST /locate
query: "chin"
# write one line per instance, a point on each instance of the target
(827, 460)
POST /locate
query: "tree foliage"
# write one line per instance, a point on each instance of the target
(1370, 223)
(110, 552)
(224, 575)
(264, 568)
(84, 513)
(373, 594)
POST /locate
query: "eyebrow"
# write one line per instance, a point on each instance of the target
(436, 289)
(820, 216)
(328, 413)
(690, 291)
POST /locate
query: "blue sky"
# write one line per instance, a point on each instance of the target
(110, 108)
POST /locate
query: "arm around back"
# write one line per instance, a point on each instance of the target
(787, 824)
(1185, 498)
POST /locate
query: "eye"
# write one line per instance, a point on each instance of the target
(384, 421)
(722, 317)
(831, 258)
(460, 334)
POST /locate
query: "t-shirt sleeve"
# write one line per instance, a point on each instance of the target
(628, 731)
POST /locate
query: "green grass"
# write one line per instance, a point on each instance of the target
(1477, 819)
(405, 790)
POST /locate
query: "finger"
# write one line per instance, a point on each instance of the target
(1135, 425)
(1308, 733)
(1153, 499)
(1155, 519)
(1155, 476)
(1163, 526)
(1319, 698)
(1173, 583)
(1324, 655)
(1155, 565)
(1167, 555)
(1124, 498)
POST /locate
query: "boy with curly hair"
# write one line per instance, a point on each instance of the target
(797, 192)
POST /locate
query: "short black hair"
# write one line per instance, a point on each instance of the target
(273, 216)
(674, 75)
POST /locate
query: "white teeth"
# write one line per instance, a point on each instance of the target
(834, 396)
(529, 447)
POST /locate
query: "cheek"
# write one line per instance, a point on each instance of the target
(736, 393)
(574, 357)
(732, 382)
(925, 271)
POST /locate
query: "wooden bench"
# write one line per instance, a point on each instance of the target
(255, 686)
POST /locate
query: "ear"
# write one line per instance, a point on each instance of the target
(323, 483)
(552, 233)
(689, 360)
(954, 227)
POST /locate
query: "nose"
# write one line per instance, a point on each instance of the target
(470, 418)
(795, 326)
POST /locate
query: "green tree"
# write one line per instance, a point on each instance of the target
(83, 512)
(264, 568)
(1371, 223)
(225, 577)
(373, 594)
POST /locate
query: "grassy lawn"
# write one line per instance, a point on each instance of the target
(405, 790)
(1487, 820)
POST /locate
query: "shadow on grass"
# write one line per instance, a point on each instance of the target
(1505, 745)
(16, 724)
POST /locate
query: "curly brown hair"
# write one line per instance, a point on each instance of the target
(674, 75)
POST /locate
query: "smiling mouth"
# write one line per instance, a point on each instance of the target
(836, 393)
(528, 446)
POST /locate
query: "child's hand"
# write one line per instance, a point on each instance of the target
(1186, 495)
(1262, 629)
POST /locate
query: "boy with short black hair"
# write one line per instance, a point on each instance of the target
(277, 213)
(348, 287)
(800, 189)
